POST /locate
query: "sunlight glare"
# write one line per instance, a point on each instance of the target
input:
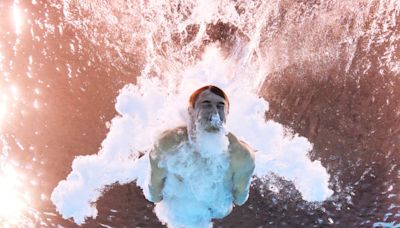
(12, 204)
(3, 108)
(36, 104)
(17, 16)
(14, 92)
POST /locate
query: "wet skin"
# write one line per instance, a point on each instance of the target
(241, 155)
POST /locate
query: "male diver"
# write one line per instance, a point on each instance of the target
(200, 171)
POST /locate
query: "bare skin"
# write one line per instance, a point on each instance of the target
(241, 156)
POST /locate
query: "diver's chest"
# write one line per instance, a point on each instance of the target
(195, 167)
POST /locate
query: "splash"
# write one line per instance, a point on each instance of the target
(216, 120)
(153, 105)
(196, 178)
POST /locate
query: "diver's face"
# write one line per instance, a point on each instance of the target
(210, 111)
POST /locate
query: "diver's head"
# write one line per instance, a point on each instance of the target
(208, 108)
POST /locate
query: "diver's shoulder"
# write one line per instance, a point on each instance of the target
(240, 149)
(172, 138)
(175, 133)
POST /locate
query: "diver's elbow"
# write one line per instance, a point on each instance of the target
(155, 199)
(155, 195)
(241, 199)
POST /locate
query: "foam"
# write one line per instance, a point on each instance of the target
(154, 105)
(196, 189)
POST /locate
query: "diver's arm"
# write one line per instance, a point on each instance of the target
(167, 142)
(157, 177)
(243, 167)
(241, 183)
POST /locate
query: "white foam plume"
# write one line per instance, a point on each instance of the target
(154, 105)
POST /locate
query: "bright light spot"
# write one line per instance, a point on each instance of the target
(13, 203)
(33, 182)
(19, 144)
(36, 104)
(69, 71)
(3, 108)
(71, 45)
(17, 16)
(14, 91)
(37, 91)
(1, 60)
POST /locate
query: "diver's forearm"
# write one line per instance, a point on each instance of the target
(156, 184)
(241, 185)
(240, 197)
(157, 178)
(155, 193)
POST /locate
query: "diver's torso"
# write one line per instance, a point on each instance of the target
(201, 180)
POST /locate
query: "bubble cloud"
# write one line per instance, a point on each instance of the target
(154, 105)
